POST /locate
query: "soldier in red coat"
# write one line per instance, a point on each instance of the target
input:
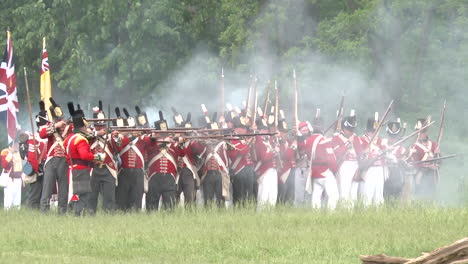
(241, 165)
(267, 153)
(162, 172)
(346, 145)
(302, 171)
(323, 166)
(395, 156)
(215, 178)
(372, 179)
(287, 170)
(426, 177)
(104, 176)
(36, 156)
(55, 166)
(132, 150)
(189, 180)
(80, 160)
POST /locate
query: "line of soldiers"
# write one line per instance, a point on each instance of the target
(133, 165)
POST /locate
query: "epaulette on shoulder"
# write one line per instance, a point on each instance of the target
(4, 151)
(80, 138)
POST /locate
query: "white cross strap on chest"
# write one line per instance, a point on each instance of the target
(218, 159)
(160, 155)
(427, 150)
(312, 157)
(132, 145)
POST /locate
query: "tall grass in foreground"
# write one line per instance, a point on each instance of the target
(280, 235)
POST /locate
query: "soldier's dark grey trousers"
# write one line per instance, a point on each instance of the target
(34, 196)
(213, 187)
(243, 185)
(82, 204)
(286, 190)
(129, 192)
(102, 182)
(161, 186)
(56, 170)
(186, 185)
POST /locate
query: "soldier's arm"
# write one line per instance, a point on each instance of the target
(32, 156)
(84, 151)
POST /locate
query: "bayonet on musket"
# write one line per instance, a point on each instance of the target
(267, 98)
(295, 99)
(362, 160)
(255, 103)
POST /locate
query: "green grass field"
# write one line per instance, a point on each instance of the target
(282, 235)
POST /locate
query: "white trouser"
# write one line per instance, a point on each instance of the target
(268, 188)
(327, 184)
(372, 186)
(346, 186)
(12, 194)
(301, 197)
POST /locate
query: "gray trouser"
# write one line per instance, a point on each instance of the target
(286, 190)
(103, 182)
(187, 185)
(161, 186)
(82, 205)
(34, 196)
(55, 171)
(213, 187)
(301, 196)
(243, 185)
(129, 192)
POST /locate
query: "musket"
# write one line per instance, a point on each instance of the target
(276, 139)
(222, 90)
(434, 159)
(212, 137)
(30, 114)
(255, 103)
(296, 117)
(340, 115)
(169, 131)
(361, 169)
(441, 132)
(336, 125)
(247, 102)
(250, 134)
(441, 127)
(100, 119)
(267, 98)
(276, 106)
(397, 143)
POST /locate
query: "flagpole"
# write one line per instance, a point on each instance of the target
(30, 113)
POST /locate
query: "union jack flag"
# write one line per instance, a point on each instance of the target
(8, 96)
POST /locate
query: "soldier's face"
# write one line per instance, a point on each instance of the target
(347, 132)
(423, 136)
(304, 130)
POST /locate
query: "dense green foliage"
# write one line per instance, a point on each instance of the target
(284, 235)
(151, 52)
(402, 48)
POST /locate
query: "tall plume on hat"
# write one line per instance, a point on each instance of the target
(120, 121)
(77, 115)
(142, 119)
(130, 120)
(41, 117)
(55, 110)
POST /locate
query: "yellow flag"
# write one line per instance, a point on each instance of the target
(46, 87)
